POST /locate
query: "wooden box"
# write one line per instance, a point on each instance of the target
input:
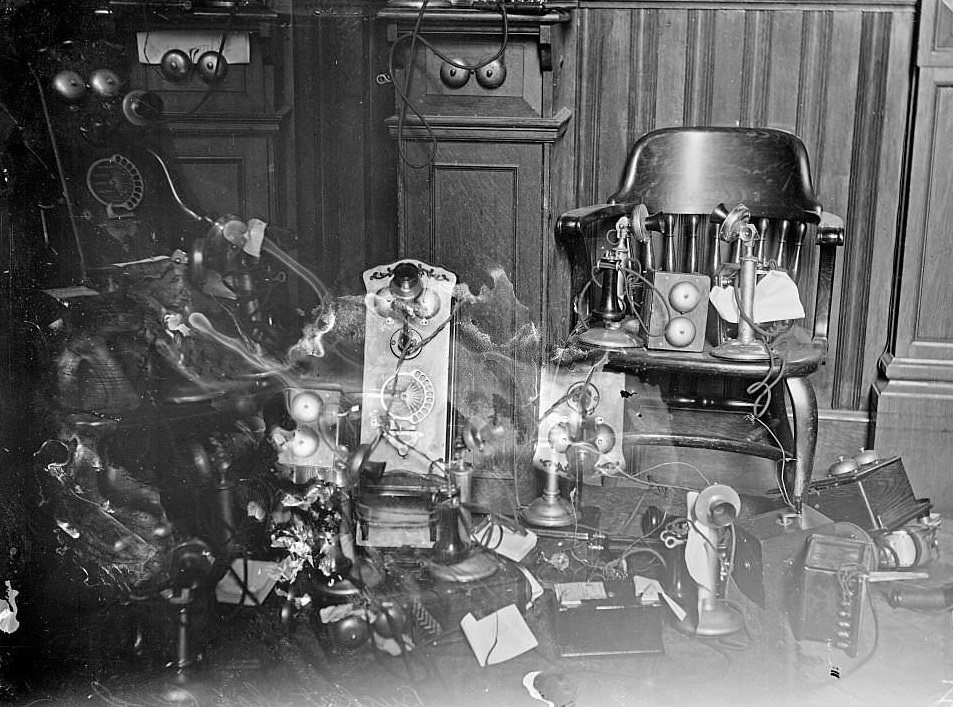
(770, 547)
(877, 496)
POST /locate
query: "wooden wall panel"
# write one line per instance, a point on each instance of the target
(934, 326)
(498, 187)
(228, 168)
(924, 332)
(346, 189)
(835, 74)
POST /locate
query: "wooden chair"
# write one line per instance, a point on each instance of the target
(684, 173)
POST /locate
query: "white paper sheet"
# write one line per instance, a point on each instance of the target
(505, 542)
(650, 591)
(496, 638)
(775, 299)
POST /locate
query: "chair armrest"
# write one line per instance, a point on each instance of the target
(571, 233)
(829, 236)
(574, 224)
(830, 229)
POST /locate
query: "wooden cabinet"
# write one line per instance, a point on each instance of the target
(485, 156)
(914, 397)
(481, 180)
(226, 142)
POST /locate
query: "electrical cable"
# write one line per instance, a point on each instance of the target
(211, 87)
(19, 127)
(656, 294)
(785, 458)
(655, 484)
(403, 92)
(61, 172)
(632, 514)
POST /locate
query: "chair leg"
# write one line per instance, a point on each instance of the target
(804, 409)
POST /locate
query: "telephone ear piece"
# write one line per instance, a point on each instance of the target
(142, 108)
(69, 86)
(105, 83)
(717, 506)
(175, 66)
(212, 67)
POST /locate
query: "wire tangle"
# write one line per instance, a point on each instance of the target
(403, 92)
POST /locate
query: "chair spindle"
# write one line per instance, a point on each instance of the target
(691, 246)
(670, 260)
(800, 232)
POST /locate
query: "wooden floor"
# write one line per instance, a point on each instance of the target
(252, 660)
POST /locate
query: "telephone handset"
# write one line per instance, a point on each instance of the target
(407, 364)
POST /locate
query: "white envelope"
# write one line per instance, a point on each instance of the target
(496, 638)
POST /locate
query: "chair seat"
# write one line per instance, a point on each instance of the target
(701, 429)
(800, 358)
(720, 424)
(800, 355)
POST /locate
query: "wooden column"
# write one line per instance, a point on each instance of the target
(913, 400)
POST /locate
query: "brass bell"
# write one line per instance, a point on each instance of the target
(843, 465)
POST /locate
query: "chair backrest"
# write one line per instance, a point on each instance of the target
(686, 172)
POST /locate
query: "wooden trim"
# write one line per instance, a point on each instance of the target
(773, 5)
(223, 124)
(484, 129)
(473, 21)
(861, 218)
(336, 8)
(916, 369)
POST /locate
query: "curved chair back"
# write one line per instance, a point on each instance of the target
(686, 172)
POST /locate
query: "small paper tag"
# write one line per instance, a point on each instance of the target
(679, 612)
(574, 593)
(256, 235)
(536, 589)
(649, 590)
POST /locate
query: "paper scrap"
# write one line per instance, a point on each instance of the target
(503, 541)
(256, 235)
(8, 610)
(64, 293)
(496, 638)
(679, 612)
(536, 589)
(699, 556)
(775, 298)
(259, 581)
(529, 682)
(650, 591)
(337, 612)
(572, 593)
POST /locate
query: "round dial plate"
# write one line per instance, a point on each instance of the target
(408, 396)
(583, 397)
(115, 182)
